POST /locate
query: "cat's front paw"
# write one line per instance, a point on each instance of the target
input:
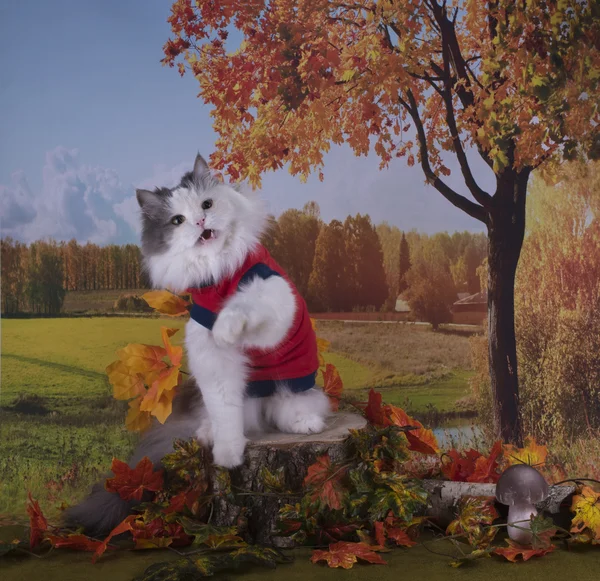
(229, 454)
(307, 423)
(229, 327)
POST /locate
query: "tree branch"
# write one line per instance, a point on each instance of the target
(479, 194)
(471, 208)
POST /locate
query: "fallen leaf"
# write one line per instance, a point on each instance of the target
(586, 507)
(486, 469)
(126, 384)
(532, 454)
(345, 554)
(75, 542)
(121, 528)
(175, 353)
(130, 483)
(144, 359)
(38, 524)
(514, 551)
(137, 420)
(325, 481)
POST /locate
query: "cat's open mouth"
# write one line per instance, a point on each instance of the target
(207, 235)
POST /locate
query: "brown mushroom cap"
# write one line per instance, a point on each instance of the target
(521, 483)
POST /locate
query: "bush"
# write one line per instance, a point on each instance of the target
(131, 304)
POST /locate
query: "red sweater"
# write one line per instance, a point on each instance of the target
(295, 360)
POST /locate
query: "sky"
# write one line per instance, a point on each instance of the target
(88, 113)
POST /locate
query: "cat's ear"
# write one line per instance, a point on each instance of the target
(147, 198)
(200, 168)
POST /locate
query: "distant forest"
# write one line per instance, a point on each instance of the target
(341, 266)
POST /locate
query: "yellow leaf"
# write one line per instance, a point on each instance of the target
(137, 420)
(158, 401)
(125, 383)
(166, 303)
(313, 322)
(175, 353)
(348, 75)
(532, 454)
(144, 359)
(322, 345)
(586, 507)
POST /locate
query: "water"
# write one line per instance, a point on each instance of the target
(465, 435)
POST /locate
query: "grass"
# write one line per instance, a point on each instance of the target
(95, 300)
(60, 426)
(412, 366)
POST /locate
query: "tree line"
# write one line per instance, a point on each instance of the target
(352, 265)
(35, 277)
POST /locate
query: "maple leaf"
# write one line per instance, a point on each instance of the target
(586, 507)
(159, 398)
(420, 440)
(332, 385)
(166, 303)
(137, 420)
(175, 353)
(486, 469)
(38, 524)
(153, 543)
(322, 346)
(325, 480)
(374, 410)
(344, 554)
(75, 542)
(475, 515)
(126, 384)
(146, 360)
(130, 483)
(532, 454)
(514, 550)
(121, 528)
(459, 466)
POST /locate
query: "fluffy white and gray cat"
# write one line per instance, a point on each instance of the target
(250, 346)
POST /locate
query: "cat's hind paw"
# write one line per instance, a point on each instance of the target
(306, 424)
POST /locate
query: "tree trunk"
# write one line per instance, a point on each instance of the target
(255, 511)
(506, 229)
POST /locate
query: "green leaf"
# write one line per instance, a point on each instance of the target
(273, 482)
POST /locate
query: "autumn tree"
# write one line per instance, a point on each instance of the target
(403, 264)
(327, 286)
(431, 290)
(365, 275)
(514, 83)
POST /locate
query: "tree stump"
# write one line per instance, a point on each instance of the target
(256, 508)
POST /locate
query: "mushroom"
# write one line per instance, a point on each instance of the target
(521, 487)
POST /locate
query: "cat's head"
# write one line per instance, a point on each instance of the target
(199, 231)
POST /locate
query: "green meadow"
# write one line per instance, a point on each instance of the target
(60, 426)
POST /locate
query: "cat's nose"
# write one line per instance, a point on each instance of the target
(200, 222)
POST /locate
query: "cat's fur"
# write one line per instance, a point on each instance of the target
(258, 315)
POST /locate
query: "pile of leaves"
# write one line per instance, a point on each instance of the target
(354, 509)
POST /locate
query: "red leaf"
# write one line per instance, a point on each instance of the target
(130, 483)
(344, 554)
(514, 550)
(118, 530)
(325, 479)
(419, 440)
(38, 524)
(380, 533)
(459, 466)
(486, 469)
(400, 537)
(332, 385)
(75, 542)
(374, 412)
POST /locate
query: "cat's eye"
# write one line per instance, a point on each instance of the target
(207, 204)
(177, 220)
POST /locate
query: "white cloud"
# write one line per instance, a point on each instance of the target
(76, 201)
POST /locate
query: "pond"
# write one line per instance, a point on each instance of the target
(459, 433)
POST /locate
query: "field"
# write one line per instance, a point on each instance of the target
(60, 426)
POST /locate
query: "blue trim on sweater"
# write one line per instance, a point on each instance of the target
(267, 387)
(259, 269)
(203, 316)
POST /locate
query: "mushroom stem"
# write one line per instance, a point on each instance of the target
(521, 514)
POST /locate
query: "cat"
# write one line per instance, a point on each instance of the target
(250, 344)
